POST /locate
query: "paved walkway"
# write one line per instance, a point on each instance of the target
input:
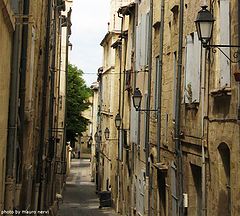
(79, 197)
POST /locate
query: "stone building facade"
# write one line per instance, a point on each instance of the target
(30, 166)
(179, 155)
(7, 21)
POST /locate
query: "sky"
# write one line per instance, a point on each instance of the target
(89, 26)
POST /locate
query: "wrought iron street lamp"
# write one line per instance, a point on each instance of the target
(107, 133)
(137, 99)
(118, 121)
(204, 25)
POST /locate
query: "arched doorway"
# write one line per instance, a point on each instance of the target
(224, 181)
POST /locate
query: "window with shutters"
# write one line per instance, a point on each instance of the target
(142, 43)
(134, 126)
(140, 193)
(224, 30)
(192, 69)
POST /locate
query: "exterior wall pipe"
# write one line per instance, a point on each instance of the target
(120, 66)
(13, 110)
(119, 111)
(238, 111)
(123, 101)
(59, 69)
(12, 126)
(66, 81)
(51, 124)
(23, 68)
(177, 114)
(148, 107)
(40, 174)
(52, 70)
(203, 91)
(160, 82)
(124, 83)
(134, 42)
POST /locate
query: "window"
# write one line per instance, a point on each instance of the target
(192, 69)
(224, 29)
(197, 190)
(142, 36)
(224, 176)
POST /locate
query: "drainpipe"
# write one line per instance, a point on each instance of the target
(177, 113)
(160, 82)
(203, 91)
(134, 86)
(148, 107)
(120, 66)
(52, 70)
(134, 42)
(59, 73)
(124, 82)
(51, 123)
(12, 124)
(23, 68)
(123, 97)
(40, 172)
(238, 111)
(66, 82)
(119, 111)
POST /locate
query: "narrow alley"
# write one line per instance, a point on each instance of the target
(79, 197)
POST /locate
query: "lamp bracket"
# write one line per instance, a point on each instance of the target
(235, 58)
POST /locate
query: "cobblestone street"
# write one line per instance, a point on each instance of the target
(79, 197)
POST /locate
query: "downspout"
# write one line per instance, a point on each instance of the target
(66, 82)
(51, 123)
(177, 114)
(52, 70)
(238, 111)
(119, 111)
(148, 107)
(123, 98)
(23, 71)
(160, 82)
(100, 129)
(120, 65)
(203, 139)
(59, 73)
(40, 171)
(134, 86)
(134, 42)
(12, 124)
